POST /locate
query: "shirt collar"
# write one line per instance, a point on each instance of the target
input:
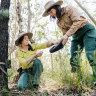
(62, 11)
(22, 49)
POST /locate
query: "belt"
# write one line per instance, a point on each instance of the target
(27, 70)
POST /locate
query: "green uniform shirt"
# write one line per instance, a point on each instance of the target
(22, 56)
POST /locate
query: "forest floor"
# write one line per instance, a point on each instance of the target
(50, 91)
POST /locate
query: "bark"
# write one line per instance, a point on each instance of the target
(4, 46)
(19, 16)
(29, 16)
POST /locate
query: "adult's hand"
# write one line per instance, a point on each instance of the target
(65, 39)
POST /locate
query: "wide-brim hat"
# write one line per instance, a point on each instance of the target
(49, 4)
(22, 34)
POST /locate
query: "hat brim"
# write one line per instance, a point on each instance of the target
(57, 3)
(28, 34)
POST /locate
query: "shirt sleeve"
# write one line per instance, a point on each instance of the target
(39, 46)
(77, 19)
(22, 61)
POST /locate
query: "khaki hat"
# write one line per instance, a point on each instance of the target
(22, 34)
(49, 4)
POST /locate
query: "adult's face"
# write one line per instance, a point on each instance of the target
(52, 12)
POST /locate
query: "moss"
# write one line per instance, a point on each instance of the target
(4, 13)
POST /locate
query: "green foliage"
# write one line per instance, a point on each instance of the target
(9, 94)
(58, 33)
(23, 1)
(4, 89)
(61, 73)
(10, 74)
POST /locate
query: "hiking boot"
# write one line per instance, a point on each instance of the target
(36, 87)
(74, 69)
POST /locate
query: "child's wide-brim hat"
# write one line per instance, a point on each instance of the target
(23, 34)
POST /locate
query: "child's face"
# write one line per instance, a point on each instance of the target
(25, 40)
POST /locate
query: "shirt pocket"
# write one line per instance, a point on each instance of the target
(66, 21)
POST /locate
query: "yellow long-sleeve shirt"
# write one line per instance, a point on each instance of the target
(22, 56)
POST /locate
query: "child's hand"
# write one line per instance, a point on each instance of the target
(55, 42)
(39, 54)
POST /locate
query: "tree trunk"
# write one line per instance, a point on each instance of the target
(15, 20)
(29, 16)
(94, 21)
(4, 46)
(19, 16)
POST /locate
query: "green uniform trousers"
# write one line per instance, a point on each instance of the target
(31, 76)
(85, 37)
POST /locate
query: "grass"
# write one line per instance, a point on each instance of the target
(57, 74)
(61, 73)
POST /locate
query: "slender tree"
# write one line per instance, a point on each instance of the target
(29, 16)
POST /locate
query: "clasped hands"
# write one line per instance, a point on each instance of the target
(64, 38)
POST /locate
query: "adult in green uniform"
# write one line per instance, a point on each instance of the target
(27, 56)
(74, 24)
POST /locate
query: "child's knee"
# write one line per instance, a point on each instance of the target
(38, 64)
(37, 61)
(23, 81)
(21, 86)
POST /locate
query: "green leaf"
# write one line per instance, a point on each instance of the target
(23, 1)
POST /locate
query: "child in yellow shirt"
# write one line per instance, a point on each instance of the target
(28, 58)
